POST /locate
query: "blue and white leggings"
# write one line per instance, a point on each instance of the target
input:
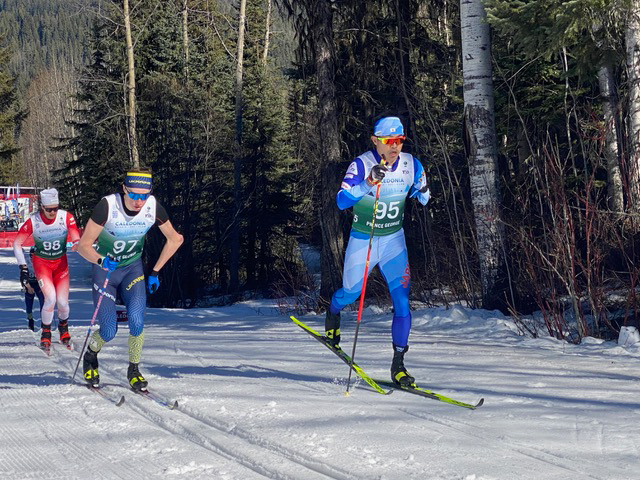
(389, 252)
(128, 282)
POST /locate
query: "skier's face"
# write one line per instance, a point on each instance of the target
(388, 147)
(50, 211)
(135, 198)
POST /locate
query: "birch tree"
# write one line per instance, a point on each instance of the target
(131, 89)
(237, 169)
(632, 39)
(481, 142)
(185, 37)
(608, 100)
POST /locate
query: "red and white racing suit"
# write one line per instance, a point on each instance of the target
(49, 258)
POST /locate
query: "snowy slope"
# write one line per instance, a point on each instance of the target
(260, 399)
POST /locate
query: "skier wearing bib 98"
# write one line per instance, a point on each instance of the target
(49, 228)
(399, 175)
(119, 224)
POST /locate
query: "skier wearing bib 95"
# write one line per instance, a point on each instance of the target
(50, 228)
(118, 225)
(397, 175)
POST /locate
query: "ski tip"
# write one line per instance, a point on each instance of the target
(480, 403)
(120, 402)
(173, 405)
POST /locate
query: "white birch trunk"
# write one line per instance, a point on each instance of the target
(185, 37)
(234, 261)
(131, 89)
(267, 34)
(607, 94)
(481, 138)
(632, 39)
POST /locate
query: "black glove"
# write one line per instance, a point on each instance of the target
(24, 276)
(377, 174)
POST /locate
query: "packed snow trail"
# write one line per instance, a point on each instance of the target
(259, 399)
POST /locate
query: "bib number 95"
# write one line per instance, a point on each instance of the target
(390, 210)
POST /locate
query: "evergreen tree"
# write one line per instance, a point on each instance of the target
(11, 117)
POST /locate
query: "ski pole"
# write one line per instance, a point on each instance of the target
(93, 320)
(364, 281)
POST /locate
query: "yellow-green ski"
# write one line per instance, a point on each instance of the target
(343, 356)
(415, 389)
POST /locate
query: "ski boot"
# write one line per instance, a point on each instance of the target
(136, 380)
(90, 367)
(32, 326)
(332, 330)
(63, 328)
(399, 374)
(45, 338)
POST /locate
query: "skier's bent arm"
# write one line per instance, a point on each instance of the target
(74, 233)
(174, 240)
(85, 246)
(354, 186)
(24, 233)
(420, 189)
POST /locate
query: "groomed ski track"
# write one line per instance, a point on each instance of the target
(259, 399)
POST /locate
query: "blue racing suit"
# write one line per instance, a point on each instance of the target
(405, 178)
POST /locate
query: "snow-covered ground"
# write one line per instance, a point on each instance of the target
(261, 399)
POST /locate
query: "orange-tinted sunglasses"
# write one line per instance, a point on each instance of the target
(392, 140)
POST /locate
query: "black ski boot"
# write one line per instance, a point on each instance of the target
(332, 329)
(136, 380)
(63, 328)
(32, 326)
(90, 367)
(399, 374)
(45, 338)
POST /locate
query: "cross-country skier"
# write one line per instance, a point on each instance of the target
(50, 228)
(400, 175)
(119, 224)
(31, 290)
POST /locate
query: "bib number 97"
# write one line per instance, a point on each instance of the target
(120, 245)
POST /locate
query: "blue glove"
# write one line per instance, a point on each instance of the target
(153, 283)
(108, 263)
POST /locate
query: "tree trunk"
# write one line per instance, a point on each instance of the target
(185, 38)
(131, 90)
(234, 261)
(267, 33)
(608, 96)
(632, 39)
(404, 17)
(482, 151)
(332, 241)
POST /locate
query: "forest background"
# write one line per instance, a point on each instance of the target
(249, 112)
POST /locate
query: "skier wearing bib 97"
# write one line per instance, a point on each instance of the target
(119, 224)
(399, 175)
(50, 228)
